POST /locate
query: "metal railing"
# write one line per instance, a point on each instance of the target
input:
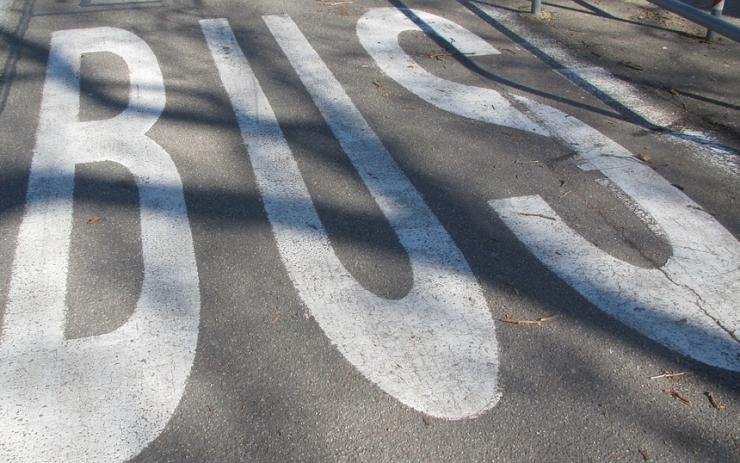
(712, 22)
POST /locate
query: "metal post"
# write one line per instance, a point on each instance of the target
(537, 7)
(700, 17)
(717, 7)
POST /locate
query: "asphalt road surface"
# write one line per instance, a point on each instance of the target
(350, 231)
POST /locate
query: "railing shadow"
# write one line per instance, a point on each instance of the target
(625, 112)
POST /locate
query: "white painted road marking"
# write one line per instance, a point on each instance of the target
(4, 7)
(434, 349)
(104, 398)
(603, 84)
(101, 398)
(688, 305)
(378, 31)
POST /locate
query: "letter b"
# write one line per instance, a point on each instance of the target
(99, 398)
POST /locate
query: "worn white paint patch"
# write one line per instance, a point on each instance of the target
(434, 349)
(599, 80)
(101, 398)
(7, 15)
(4, 7)
(690, 303)
(378, 31)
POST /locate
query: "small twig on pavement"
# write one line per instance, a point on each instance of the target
(440, 55)
(668, 375)
(332, 3)
(537, 321)
(677, 395)
(536, 215)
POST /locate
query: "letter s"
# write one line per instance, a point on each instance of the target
(688, 304)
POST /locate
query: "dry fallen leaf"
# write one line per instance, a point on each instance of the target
(645, 455)
(547, 16)
(677, 395)
(715, 403)
(94, 220)
(644, 157)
